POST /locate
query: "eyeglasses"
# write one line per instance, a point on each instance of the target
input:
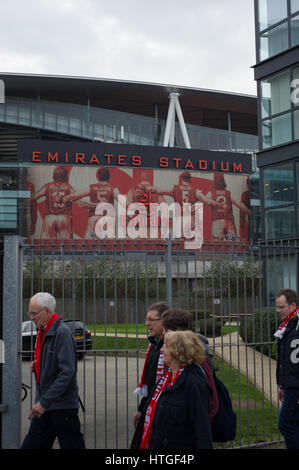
(150, 320)
(34, 314)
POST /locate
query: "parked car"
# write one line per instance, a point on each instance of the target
(81, 334)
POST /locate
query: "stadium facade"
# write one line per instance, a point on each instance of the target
(86, 124)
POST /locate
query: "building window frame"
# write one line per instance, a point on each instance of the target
(290, 204)
(291, 110)
(260, 33)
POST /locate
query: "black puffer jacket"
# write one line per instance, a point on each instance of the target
(181, 418)
(287, 372)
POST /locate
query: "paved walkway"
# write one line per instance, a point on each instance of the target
(259, 368)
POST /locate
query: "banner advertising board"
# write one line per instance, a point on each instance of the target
(117, 192)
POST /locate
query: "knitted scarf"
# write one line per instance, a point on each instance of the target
(167, 381)
(39, 343)
(282, 327)
(142, 388)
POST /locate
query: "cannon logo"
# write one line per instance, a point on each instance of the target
(2, 92)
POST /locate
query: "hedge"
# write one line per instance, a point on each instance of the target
(258, 331)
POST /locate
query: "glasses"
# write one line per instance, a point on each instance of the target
(150, 320)
(34, 314)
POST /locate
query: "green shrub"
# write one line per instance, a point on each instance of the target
(210, 327)
(259, 330)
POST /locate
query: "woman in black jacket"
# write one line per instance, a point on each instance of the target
(177, 414)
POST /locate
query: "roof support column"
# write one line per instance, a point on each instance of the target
(174, 107)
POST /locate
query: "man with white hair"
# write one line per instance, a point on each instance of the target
(55, 413)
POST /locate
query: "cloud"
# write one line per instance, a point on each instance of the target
(195, 43)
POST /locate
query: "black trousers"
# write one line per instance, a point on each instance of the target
(63, 424)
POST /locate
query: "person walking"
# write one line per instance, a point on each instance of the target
(55, 412)
(177, 413)
(288, 365)
(175, 319)
(153, 367)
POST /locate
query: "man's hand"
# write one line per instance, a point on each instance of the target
(280, 394)
(136, 419)
(36, 411)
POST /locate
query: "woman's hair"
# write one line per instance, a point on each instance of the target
(185, 347)
(44, 299)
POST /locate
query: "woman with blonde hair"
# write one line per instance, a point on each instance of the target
(177, 414)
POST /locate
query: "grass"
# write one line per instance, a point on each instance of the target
(139, 328)
(257, 418)
(119, 344)
(226, 329)
(130, 328)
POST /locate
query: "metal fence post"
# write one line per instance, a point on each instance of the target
(168, 272)
(12, 367)
(2, 407)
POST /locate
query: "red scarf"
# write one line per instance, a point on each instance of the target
(282, 327)
(165, 382)
(142, 388)
(39, 343)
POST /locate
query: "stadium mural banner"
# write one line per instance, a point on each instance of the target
(119, 193)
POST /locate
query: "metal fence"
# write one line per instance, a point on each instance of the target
(109, 286)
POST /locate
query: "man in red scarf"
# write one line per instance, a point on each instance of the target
(288, 365)
(153, 367)
(55, 413)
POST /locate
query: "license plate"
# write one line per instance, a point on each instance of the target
(79, 337)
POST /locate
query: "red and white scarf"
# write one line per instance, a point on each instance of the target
(167, 381)
(142, 388)
(39, 343)
(282, 327)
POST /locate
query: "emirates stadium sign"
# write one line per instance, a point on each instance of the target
(117, 192)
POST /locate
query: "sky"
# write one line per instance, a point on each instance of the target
(193, 43)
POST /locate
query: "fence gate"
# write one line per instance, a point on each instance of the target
(109, 289)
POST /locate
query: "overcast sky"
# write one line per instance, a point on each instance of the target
(197, 43)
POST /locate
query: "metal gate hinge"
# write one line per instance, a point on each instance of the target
(3, 408)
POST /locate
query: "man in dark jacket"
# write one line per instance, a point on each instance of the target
(153, 365)
(288, 365)
(55, 413)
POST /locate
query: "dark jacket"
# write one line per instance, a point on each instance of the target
(57, 388)
(151, 368)
(181, 419)
(287, 372)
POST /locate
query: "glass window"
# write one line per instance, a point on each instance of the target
(296, 125)
(276, 94)
(271, 12)
(8, 225)
(280, 223)
(295, 31)
(281, 273)
(297, 171)
(295, 87)
(274, 41)
(294, 6)
(279, 185)
(277, 131)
